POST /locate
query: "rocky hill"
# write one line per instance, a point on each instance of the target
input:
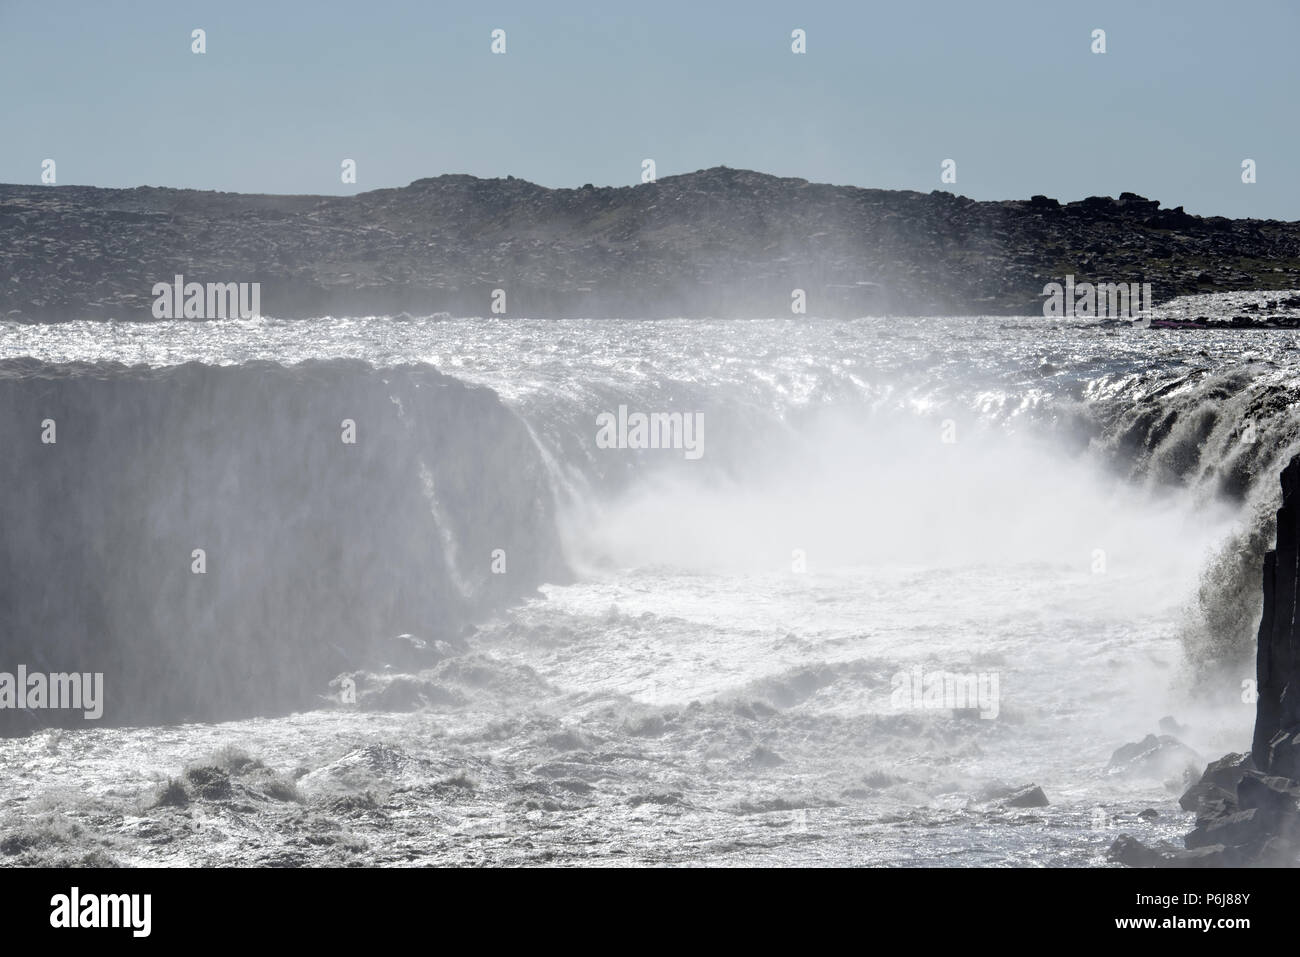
(719, 242)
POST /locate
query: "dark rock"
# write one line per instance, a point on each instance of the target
(1216, 808)
(1029, 796)
(1128, 850)
(1218, 782)
(1174, 218)
(1155, 756)
(1150, 814)
(1242, 828)
(1131, 852)
(1268, 793)
(172, 794)
(1126, 753)
(1208, 800)
(209, 782)
(1284, 750)
(1275, 711)
(1215, 855)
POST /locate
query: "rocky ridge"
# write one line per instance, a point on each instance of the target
(719, 242)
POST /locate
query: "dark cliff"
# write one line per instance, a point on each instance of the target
(1248, 805)
(719, 242)
(1277, 715)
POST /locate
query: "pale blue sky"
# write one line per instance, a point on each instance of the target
(885, 93)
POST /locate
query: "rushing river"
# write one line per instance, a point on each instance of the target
(1061, 518)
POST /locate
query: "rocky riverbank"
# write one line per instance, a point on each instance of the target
(719, 242)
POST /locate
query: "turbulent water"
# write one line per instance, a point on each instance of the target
(1074, 510)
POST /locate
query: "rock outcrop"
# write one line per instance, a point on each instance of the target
(1277, 713)
(316, 551)
(1248, 805)
(1029, 796)
(718, 242)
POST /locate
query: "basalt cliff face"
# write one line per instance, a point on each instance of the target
(719, 242)
(224, 541)
(1248, 805)
(1258, 820)
(1277, 716)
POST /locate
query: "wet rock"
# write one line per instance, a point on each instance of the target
(1128, 850)
(172, 794)
(1218, 782)
(1030, 796)
(1131, 852)
(1284, 753)
(1242, 828)
(361, 803)
(1269, 793)
(208, 782)
(1154, 756)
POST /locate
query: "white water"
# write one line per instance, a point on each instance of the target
(727, 703)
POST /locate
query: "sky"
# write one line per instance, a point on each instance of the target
(585, 92)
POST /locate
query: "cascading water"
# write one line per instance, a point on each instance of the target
(1073, 512)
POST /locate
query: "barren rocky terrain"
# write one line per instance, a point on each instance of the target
(719, 242)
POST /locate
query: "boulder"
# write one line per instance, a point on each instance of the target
(1030, 796)
(1154, 756)
(1218, 782)
(1131, 852)
(1246, 827)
